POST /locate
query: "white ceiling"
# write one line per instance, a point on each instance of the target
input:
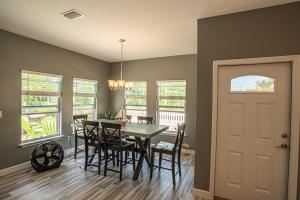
(152, 28)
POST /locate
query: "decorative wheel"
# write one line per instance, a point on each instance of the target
(47, 155)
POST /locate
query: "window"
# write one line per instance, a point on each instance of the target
(252, 83)
(85, 97)
(136, 100)
(41, 105)
(171, 99)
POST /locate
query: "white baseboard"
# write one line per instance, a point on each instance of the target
(200, 194)
(27, 164)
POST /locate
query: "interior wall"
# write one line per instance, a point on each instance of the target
(272, 31)
(18, 52)
(155, 69)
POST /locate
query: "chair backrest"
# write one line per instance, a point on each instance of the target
(111, 134)
(25, 124)
(49, 124)
(145, 120)
(91, 132)
(179, 137)
(78, 119)
(129, 117)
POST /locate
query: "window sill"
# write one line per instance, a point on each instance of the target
(35, 142)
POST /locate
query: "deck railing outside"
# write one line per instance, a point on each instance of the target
(171, 118)
(135, 113)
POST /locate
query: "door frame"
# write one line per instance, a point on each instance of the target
(295, 115)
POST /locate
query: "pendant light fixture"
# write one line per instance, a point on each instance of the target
(120, 84)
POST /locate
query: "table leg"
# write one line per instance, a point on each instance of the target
(143, 155)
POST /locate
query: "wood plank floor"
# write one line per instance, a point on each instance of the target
(71, 182)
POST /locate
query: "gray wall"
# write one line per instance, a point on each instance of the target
(273, 31)
(166, 68)
(16, 53)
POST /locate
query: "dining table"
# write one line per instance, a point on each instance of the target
(142, 133)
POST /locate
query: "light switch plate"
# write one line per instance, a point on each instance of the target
(0, 114)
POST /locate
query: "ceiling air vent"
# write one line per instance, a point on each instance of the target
(73, 14)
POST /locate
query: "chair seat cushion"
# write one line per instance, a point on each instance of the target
(125, 145)
(163, 146)
(133, 139)
(80, 135)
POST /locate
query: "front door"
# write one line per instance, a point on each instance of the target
(253, 130)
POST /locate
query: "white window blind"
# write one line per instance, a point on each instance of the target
(85, 97)
(171, 103)
(136, 100)
(41, 107)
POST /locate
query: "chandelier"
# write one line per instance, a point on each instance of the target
(120, 84)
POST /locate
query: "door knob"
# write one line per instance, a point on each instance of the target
(282, 146)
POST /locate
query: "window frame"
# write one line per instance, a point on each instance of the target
(95, 95)
(157, 103)
(146, 100)
(47, 94)
(275, 91)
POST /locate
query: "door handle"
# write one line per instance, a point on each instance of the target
(282, 146)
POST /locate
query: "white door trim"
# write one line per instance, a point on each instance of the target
(295, 116)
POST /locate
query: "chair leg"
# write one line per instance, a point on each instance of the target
(173, 170)
(126, 156)
(160, 159)
(133, 160)
(113, 157)
(99, 159)
(121, 165)
(152, 163)
(137, 148)
(76, 146)
(105, 162)
(86, 156)
(179, 163)
(149, 147)
(118, 159)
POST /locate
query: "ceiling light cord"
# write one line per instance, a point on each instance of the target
(122, 46)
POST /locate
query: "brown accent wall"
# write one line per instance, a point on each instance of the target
(16, 53)
(273, 31)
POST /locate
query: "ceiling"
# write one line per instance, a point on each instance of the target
(152, 28)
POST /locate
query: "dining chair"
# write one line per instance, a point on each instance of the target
(146, 120)
(113, 140)
(169, 149)
(92, 138)
(142, 120)
(78, 132)
(129, 117)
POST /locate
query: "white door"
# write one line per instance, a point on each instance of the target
(253, 122)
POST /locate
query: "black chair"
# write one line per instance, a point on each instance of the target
(141, 120)
(92, 138)
(113, 141)
(169, 149)
(129, 117)
(146, 120)
(78, 132)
